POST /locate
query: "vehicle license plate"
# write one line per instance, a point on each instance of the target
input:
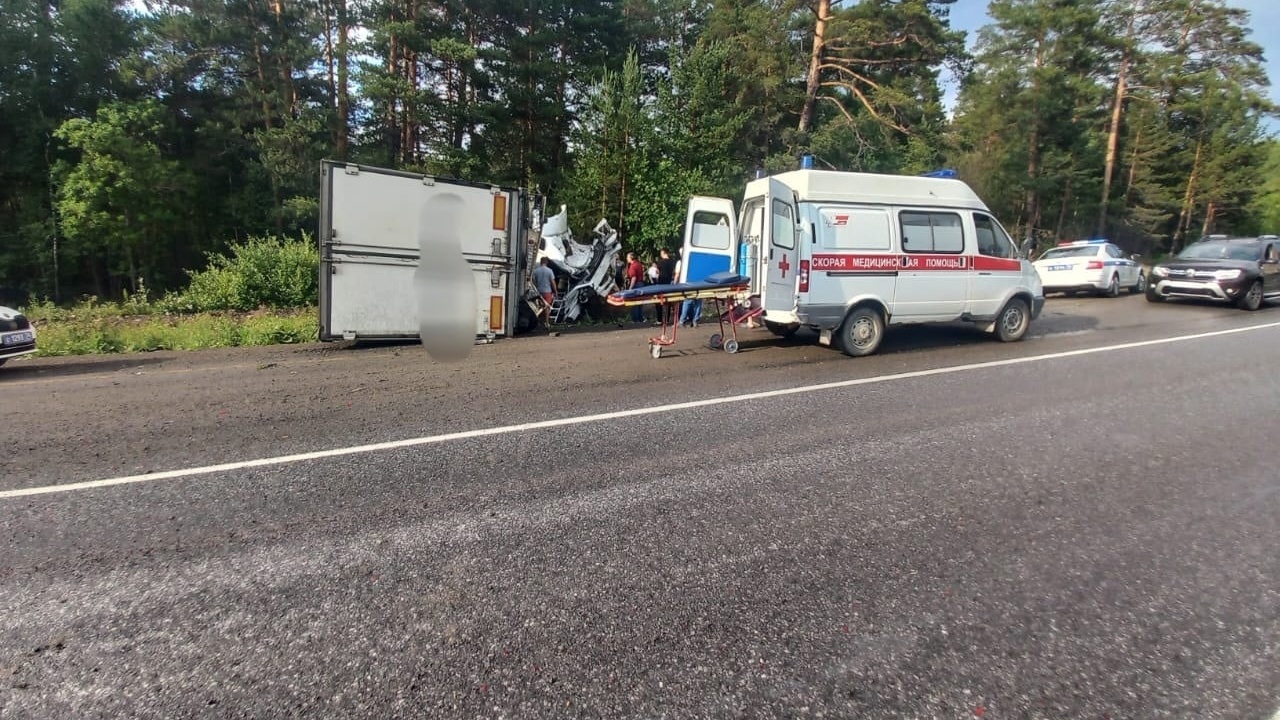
(17, 338)
(1060, 267)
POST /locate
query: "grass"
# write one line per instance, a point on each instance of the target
(93, 327)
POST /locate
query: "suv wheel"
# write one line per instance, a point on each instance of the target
(1252, 298)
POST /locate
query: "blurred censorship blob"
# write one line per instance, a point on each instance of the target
(444, 282)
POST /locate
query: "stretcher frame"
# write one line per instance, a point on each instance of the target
(730, 308)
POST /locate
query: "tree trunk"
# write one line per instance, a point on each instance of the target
(343, 90)
(1188, 200)
(1210, 217)
(1062, 211)
(1113, 133)
(815, 64)
(1033, 148)
(392, 113)
(260, 70)
(288, 88)
(1133, 167)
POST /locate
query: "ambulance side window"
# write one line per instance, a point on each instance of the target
(931, 232)
(784, 228)
(992, 241)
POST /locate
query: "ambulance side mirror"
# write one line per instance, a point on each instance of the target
(1027, 246)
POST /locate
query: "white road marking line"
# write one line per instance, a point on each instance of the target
(618, 414)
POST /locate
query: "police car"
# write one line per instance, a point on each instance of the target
(1093, 266)
(17, 334)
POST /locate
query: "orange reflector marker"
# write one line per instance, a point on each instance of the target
(495, 312)
(499, 212)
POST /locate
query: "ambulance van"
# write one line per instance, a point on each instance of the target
(850, 254)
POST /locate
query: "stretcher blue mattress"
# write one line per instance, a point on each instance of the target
(716, 281)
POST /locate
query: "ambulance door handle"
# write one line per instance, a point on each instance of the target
(983, 273)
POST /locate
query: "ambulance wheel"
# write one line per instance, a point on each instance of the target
(731, 346)
(715, 341)
(861, 332)
(1013, 321)
(655, 351)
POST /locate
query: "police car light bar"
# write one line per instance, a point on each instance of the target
(1094, 241)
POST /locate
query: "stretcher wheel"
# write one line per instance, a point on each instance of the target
(731, 346)
(715, 341)
(655, 351)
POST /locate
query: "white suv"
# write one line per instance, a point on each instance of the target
(17, 334)
(1094, 266)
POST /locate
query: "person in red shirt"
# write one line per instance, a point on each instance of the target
(635, 279)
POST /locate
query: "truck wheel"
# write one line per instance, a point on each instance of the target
(861, 332)
(1013, 321)
(526, 320)
(1153, 296)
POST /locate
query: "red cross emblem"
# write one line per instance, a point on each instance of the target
(784, 266)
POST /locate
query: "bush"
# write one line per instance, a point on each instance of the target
(263, 272)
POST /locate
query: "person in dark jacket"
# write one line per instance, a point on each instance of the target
(666, 276)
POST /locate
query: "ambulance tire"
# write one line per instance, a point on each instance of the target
(1013, 321)
(861, 332)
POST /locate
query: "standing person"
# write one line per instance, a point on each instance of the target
(666, 275)
(691, 312)
(544, 281)
(651, 277)
(635, 279)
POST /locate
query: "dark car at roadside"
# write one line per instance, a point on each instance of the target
(1241, 271)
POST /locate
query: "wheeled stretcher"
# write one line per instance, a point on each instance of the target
(729, 291)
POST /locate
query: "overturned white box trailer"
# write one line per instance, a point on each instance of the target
(372, 245)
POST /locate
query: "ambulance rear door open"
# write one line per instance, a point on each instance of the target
(781, 243)
(710, 239)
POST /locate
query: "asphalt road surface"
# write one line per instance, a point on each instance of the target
(1079, 525)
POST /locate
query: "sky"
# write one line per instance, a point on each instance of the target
(1264, 22)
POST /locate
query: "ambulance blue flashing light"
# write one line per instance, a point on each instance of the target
(943, 173)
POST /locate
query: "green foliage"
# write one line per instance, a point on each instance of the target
(83, 331)
(262, 272)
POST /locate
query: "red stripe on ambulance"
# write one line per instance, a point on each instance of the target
(982, 262)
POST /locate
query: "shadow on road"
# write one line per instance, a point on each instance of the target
(20, 370)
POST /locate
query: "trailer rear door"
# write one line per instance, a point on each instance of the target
(370, 249)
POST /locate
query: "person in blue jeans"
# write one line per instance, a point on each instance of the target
(691, 312)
